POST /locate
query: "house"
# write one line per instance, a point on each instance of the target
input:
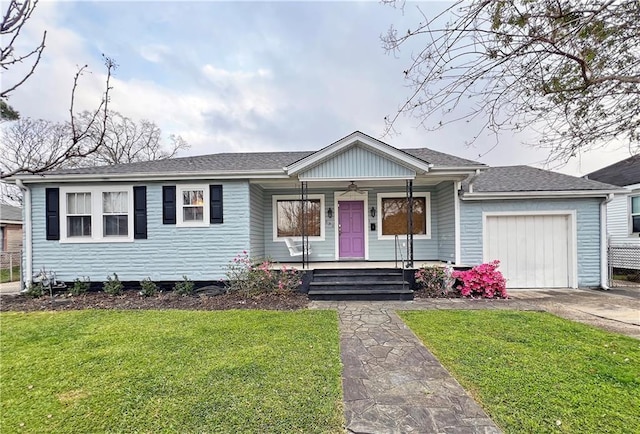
(349, 200)
(623, 211)
(10, 235)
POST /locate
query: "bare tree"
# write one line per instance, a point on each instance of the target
(14, 19)
(31, 146)
(37, 145)
(568, 69)
(127, 141)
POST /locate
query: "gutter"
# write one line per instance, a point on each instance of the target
(604, 266)
(25, 277)
(571, 194)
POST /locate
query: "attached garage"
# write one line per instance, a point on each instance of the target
(535, 250)
(547, 229)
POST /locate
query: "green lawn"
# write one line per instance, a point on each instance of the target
(7, 276)
(534, 373)
(170, 371)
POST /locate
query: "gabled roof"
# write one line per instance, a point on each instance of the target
(514, 180)
(253, 163)
(622, 173)
(10, 213)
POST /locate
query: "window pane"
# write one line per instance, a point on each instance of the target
(115, 202)
(635, 205)
(79, 226)
(394, 216)
(290, 218)
(78, 203)
(193, 214)
(193, 197)
(115, 225)
(636, 223)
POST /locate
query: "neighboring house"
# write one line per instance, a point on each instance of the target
(623, 212)
(10, 234)
(191, 216)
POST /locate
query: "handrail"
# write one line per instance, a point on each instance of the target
(398, 249)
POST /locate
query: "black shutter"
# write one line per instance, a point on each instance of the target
(140, 212)
(215, 197)
(169, 204)
(52, 212)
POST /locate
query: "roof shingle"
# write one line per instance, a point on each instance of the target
(526, 178)
(622, 173)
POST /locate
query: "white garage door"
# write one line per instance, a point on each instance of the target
(534, 250)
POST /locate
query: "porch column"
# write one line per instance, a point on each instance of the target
(410, 222)
(304, 196)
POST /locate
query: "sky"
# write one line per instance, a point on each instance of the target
(250, 76)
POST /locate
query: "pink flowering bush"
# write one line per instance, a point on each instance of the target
(483, 280)
(251, 276)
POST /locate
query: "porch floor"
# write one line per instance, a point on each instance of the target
(335, 265)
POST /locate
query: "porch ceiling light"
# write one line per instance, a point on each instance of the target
(372, 212)
(330, 213)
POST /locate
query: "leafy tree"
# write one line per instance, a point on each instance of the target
(569, 69)
(7, 112)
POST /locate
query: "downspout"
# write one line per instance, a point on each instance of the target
(28, 260)
(456, 222)
(604, 266)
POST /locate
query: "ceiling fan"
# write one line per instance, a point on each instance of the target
(353, 188)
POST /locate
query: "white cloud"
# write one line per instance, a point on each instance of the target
(154, 53)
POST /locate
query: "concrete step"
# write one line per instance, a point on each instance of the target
(361, 294)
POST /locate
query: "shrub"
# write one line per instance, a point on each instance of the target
(184, 287)
(483, 280)
(436, 281)
(249, 276)
(80, 286)
(35, 290)
(149, 287)
(113, 286)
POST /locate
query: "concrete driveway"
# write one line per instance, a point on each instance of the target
(10, 288)
(616, 310)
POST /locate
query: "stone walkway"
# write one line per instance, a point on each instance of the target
(393, 384)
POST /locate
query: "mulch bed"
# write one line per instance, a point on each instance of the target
(130, 299)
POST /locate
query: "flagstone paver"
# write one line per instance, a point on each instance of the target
(393, 384)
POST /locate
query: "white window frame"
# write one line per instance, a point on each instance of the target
(206, 206)
(96, 214)
(427, 203)
(631, 214)
(274, 208)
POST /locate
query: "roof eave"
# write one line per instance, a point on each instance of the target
(538, 194)
(99, 177)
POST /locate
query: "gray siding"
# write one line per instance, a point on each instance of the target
(256, 208)
(167, 254)
(445, 210)
(587, 226)
(357, 162)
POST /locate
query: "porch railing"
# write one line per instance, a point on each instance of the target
(398, 249)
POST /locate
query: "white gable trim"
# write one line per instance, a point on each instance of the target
(367, 142)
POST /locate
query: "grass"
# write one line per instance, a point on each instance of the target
(170, 371)
(534, 372)
(5, 274)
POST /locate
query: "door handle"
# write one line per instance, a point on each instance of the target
(339, 229)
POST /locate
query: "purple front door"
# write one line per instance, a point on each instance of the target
(351, 229)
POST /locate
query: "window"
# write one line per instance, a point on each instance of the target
(635, 214)
(78, 214)
(289, 216)
(2, 238)
(193, 205)
(96, 214)
(115, 214)
(392, 215)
